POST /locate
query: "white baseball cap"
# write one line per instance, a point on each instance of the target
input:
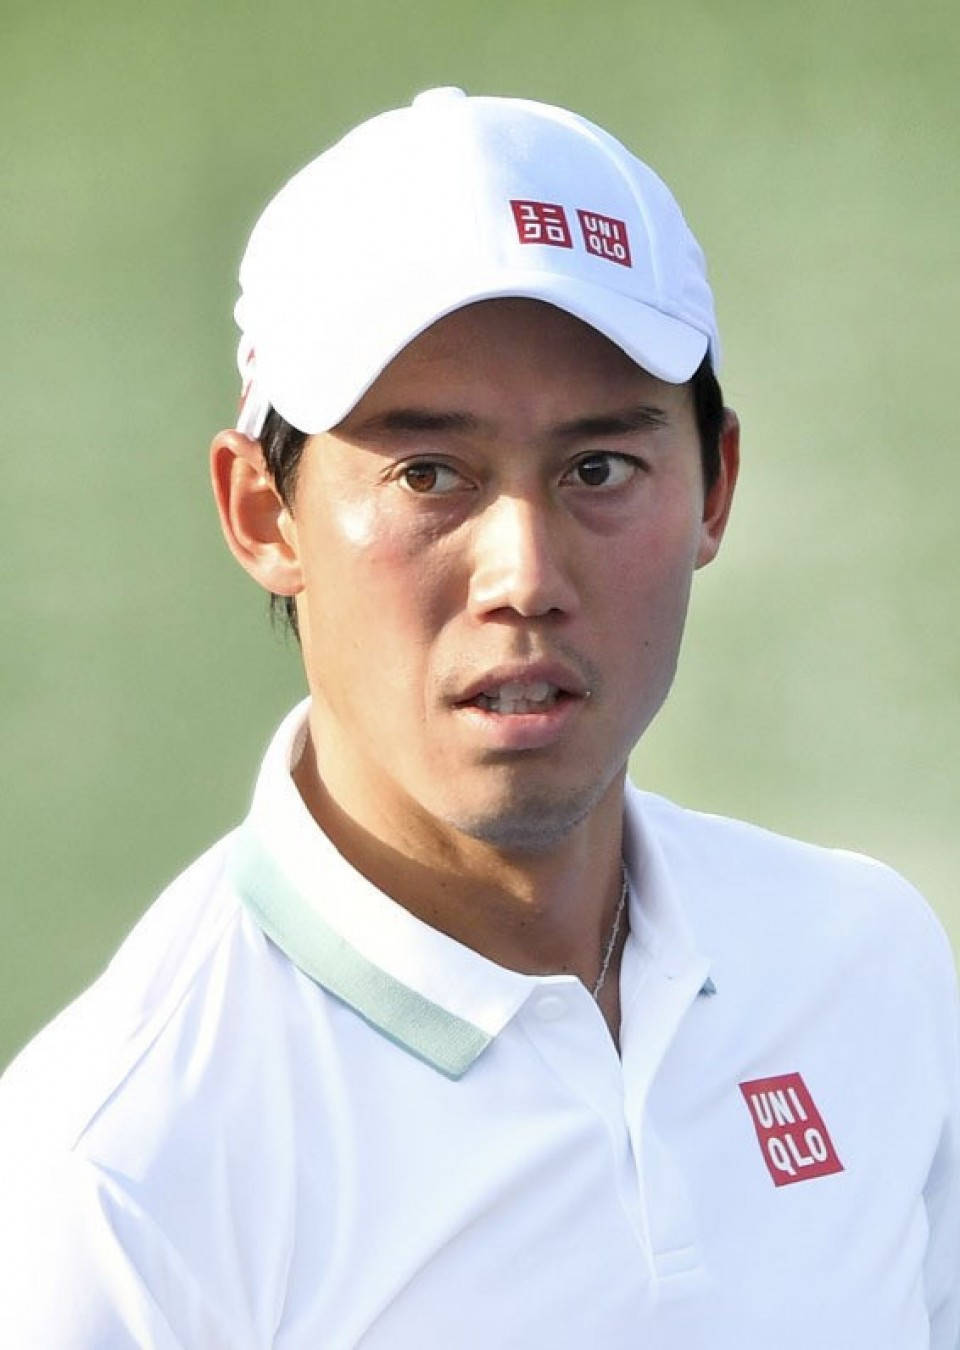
(452, 200)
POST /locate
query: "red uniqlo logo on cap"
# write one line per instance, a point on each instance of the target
(793, 1137)
(605, 237)
(542, 223)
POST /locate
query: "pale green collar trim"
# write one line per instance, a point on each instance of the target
(447, 1042)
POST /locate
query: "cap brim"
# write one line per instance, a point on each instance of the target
(315, 387)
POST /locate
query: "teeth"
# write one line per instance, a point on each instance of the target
(514, 697)
(533, 693)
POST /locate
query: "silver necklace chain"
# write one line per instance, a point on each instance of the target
(614, 934)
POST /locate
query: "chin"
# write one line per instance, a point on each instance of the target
(534, 825)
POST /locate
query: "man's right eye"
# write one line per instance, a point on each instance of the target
(428, 477)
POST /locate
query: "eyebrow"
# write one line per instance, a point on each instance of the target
(422, 419)
(641, 417)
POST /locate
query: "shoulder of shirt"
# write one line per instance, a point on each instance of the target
(742, 883)
(63, 1078)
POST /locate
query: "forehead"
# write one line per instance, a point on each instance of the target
(512, 349)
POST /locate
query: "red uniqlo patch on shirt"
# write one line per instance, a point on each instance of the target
(605, 237)
(542, 223)
(792, 1135)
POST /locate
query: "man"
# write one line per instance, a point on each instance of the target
(460, 1040)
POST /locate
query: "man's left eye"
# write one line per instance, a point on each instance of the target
(603, 469)
(428, 477)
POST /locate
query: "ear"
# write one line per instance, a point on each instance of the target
(256, 523)
(716, 506)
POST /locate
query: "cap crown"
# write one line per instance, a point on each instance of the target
(422, 210)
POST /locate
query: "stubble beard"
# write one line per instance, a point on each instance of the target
(536, 823)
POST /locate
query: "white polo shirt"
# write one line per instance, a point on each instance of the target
(292, 1115)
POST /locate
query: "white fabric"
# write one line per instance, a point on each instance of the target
(209, 1150)
(425, 209)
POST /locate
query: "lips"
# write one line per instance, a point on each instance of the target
(514, 690)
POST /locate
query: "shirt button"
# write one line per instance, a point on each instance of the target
(550, 1007)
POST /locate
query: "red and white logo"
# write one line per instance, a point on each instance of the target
(792, 1135)
(605, 237)
(542, 223)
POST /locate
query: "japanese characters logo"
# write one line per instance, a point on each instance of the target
(542, 223)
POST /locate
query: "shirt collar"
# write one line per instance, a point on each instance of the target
(427, 992)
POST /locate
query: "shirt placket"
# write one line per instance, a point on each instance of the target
(661, 993)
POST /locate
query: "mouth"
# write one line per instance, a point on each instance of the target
(517, 697)
(523, 707)
(542, 689)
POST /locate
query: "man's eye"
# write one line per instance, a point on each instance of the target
(427, 476)
(603, 469)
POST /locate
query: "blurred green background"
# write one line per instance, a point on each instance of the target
(814, 148)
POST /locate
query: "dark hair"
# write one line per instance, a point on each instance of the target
(708, 412)
(282, 446)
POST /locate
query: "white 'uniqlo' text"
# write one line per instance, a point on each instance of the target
(605, 237)
(793, 1138)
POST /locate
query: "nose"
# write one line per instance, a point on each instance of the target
(519, 561)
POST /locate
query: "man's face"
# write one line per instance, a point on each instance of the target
(496, 547)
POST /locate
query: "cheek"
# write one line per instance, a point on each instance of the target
(648, 608)
(646, 593)
(378, 571)
(656, 560)
(349, 538)
(354, 523)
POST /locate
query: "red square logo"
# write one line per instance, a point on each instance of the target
(605, 237)
(541, 223)
(793, 1138)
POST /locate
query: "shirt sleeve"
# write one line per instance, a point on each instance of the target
(942, 1192)
(83, 1268)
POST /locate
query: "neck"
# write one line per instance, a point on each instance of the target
(549, 912)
